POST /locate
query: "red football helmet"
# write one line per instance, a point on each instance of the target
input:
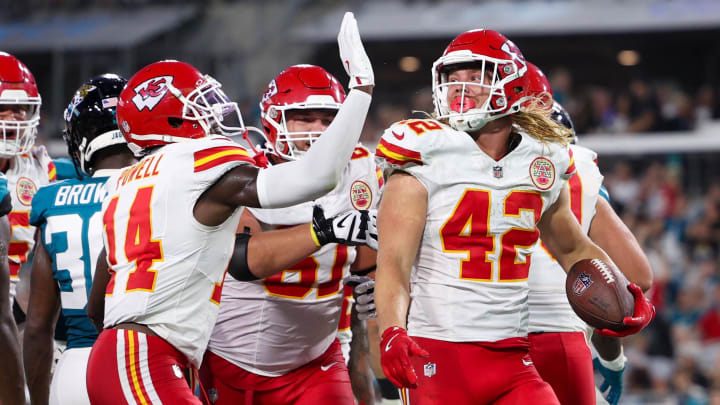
(298, 87)
(501, 62)
(537, 85)
(17, 88)
(170, 101)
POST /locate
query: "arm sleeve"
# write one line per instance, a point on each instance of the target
(319, 170)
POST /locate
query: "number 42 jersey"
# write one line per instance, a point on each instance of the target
(167, 267)
(470, 278)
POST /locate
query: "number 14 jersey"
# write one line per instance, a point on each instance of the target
(167, 267)
(470, 278)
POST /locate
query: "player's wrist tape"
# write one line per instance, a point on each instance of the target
(238, 266)
(314, 234)
(615, 365)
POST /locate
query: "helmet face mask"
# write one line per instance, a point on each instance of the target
(171, 101)
(297, 89)
(18, 91)
(500, 63)
(212, 109)
(90, 120)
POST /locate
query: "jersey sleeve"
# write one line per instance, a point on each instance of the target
(367, 179)
(40, 154)
(64, 169)
(569, 164)
(398, 149)
(219, 155)
(209, 160)
(41, 201)
(604, 193)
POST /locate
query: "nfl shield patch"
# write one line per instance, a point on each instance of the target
(429, 370)
(497, 172)
(582, 283)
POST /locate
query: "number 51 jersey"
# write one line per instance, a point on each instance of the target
(167, 268)
(469, 280)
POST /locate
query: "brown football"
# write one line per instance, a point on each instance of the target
(598, 294)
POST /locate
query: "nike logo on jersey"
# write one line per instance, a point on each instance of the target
(398, 136)
(387, 346)
(527, 363)
(327, 367)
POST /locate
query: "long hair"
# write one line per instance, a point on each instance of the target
(535, 121)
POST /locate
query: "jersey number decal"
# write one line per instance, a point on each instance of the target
(308, 269)
(74, 267)
(466, 231)
(421, 126)
(138, 245)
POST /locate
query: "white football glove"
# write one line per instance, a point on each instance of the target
(364, 295)
(353, 228)
(352, 54)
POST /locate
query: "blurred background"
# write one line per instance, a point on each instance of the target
(639, 77)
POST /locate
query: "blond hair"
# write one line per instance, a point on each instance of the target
(535, 121)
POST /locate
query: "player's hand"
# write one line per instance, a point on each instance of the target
(396, 347)
(643, 314)
(352, 54)
(364, 296)
(612, 380)
(354, 228)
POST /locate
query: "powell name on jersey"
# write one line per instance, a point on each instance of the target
(480, 227)
(549, 307)
(27, 173)
(167, 267)
(273, 326)
(69, 216)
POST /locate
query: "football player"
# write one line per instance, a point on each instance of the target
(275, 339)
(12, 383)
(27, 168)
(70, 239)
(466, 198)
(170, 220)
(558, 343)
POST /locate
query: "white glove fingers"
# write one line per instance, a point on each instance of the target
(365, 287)
(365, 300)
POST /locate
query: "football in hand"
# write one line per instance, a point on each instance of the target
(598, 294)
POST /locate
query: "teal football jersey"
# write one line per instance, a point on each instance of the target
(69, 216)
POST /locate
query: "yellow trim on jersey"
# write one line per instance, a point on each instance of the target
(233, 152)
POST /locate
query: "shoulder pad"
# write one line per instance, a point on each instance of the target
(401, 144)
(218, 151)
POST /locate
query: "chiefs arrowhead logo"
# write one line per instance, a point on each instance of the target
(271, 91)
(149, 93)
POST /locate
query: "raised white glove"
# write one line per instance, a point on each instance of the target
(353, 227)
(364, 295)
(352, 54)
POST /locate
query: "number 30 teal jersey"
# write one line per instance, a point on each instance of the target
(69, 215)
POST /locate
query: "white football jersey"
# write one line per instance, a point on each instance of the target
(273, 326)
(27, 173)
(167, 267)
(549, 307)
(469, 280)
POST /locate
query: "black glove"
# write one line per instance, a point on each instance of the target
(353, 227)
(364, 296)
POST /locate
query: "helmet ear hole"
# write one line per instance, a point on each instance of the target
(175, 122)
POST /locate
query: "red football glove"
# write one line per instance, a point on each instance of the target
(643, 314)
(396, 347)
